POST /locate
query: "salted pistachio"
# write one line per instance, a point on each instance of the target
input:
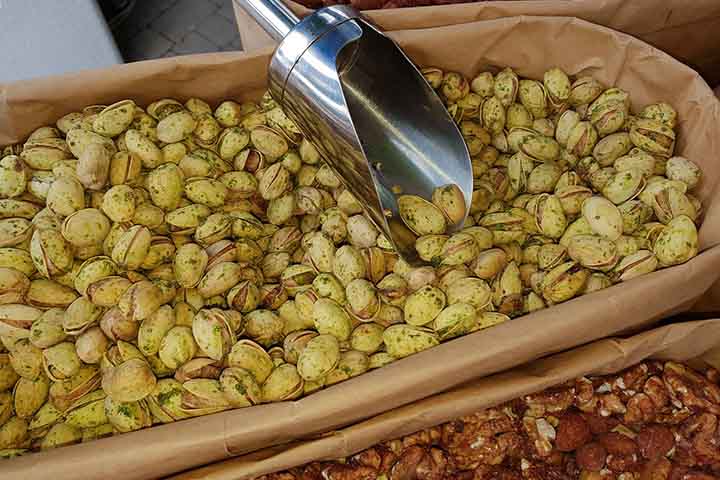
(670, 202)
(176, 127)
(584, 90)
(127, 416)
(174, 152)
(403, 340)
(550, 216)
(634, 214)
(26, 359)
(624, 185)
(295, 343)
(454, 320)
(367, 338)
(28, 396)
(330, 318)
(107, 291)
(609, 116)
(653, 136)
(283, 383)
(611, 148)
(594, 252)
(132, 247)
(92, 270)
(13, 176)
(215, 227)
(518, 116)
(59, 435)
(533, 96)
(88, 411)
(114, 119)
(154, 328)
(91, 345)
(129, 381)
(603, 217)
(250, 356)
(351, 364)
(189, 264)
(219, 279)
(557, 84)
(564, 282)
(14, 285)
(60, 361)
(543, 178)
(141, 146)
(582, 139)
(86, 227)
(206, 191)
(505, 86)
(47, 330)
(165, 401)
(565, 125)
(244, 296)
(458, 249)
(489, 263)
(684, 170)
(634, 265)
(213, 333)
(78, 139)
(165, 184)
(430, 247)
(507, 290)
(177, 347)
(662, 112)
(245, 225)
(677, 242)
(540, 148)
(65, 196)
(319, 357)
(202, 396)
(265, 327)
(198, 367)
(296, 278)
(348, 264)
(14, 231)
(80, 315)
(240, 387)
(423, 305)
(119, 203)
(140, 300)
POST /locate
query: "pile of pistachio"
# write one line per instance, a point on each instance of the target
(173, 261)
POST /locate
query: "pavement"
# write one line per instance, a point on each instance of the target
(166, 28)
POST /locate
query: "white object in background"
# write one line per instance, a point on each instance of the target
(49, 37)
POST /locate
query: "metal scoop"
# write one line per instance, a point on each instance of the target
(371, 114)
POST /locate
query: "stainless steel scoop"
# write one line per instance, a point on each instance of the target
(371, 114)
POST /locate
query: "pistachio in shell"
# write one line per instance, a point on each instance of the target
(403, 340)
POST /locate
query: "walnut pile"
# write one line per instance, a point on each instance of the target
(653, 421)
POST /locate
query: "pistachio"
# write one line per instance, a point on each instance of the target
(127, 416)
(602, 217)
(636, 264)
(653, 136)
(564, 282)
(140, 300)
(403, 340)
(61, 361)
(423, 305)
(593, 252)
(684, 170)
(677, 243)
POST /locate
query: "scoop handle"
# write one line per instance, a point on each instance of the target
(272, 15)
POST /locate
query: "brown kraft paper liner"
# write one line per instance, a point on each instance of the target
(685, 29)
(528, 44)
(697, 342)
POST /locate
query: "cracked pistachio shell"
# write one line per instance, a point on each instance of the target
(140, 300)
(61, 361)
(540, 148)
(609, 116)
(274, 182)
(165, 184)
(564, 282)
(634, 213)
(189, 264)
(430, 247)
(403, 340)
(297, 277)
(319, 357)
(493, 115)
(65, 196)
(458, 249)
(636, 264)
(28, 396)
(212, 333)
(550, 255)
(543, 178)
(265, 327)
(557, 84)
(26, 359)
(321, 252)
(295, 343)
(219, 279)
(141, 146)
(483, 84)
(348, 264)
(572, 198)
(240, 387)
(483, 237)
(154, 328)
(367, 338)
(326, 285)
(603, 217)
(423, 305)
(612, 147)
(508, 289)
(550, 216)
(14, 285)
(176, 127)
(174, 152)
(107, 291)
(488, 319)
(565, 125)
(47, 330)
(284, 383)
(214, 228)
(132, 247)
(582, 139)
(653, 136)
(198, 367)
(177, 347)
(595, 282)
(489, 263)
(91, 345)
(644, 163)
(271, 143)
(114, 119)
(246, 225)
(330, 318)
(250, 356)
(119, 203)
(202, 396)
(351, 364)
(469, 290)
(206, 191)
(505, 87)
(361, 232)
(165, 401)
(15, 231)
(93, 166)
(127, 416)
(662, 112)
(624, 185)
(669, 203)
(124, 168)
(593, 252)
(683, 170)
(533, 96)
(88, 411)
(50, 252)
(92, 270)
(454, 320)
(584, 90)
(86, 228)
(677, 243)
(421, 216)
(78, 139)
(244, 296)
(79, 315)
(363, 299)
(518, 116)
